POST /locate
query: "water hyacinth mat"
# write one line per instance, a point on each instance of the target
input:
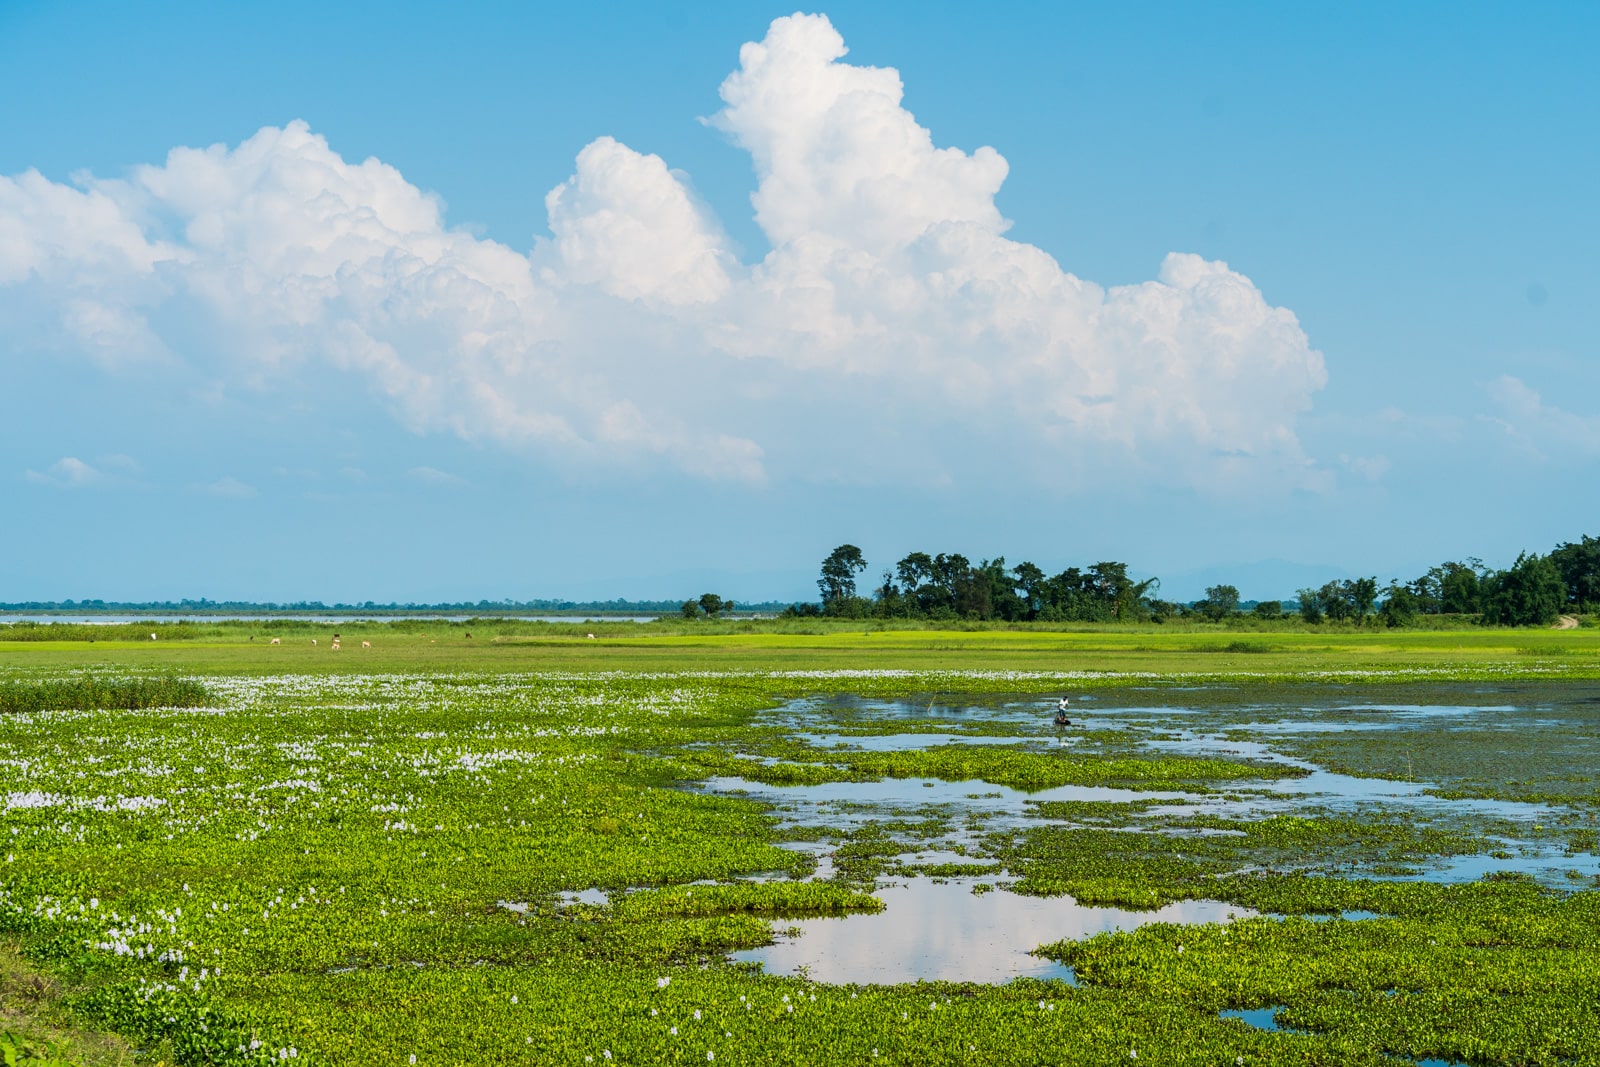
(811, 867)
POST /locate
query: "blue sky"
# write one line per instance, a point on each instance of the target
(270, 370)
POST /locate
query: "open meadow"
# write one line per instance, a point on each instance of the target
(762, 843)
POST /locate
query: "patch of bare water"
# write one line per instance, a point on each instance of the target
(941, 930)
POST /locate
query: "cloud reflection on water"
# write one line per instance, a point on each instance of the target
(942, 931)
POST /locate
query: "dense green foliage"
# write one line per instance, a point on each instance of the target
(1340, 600)
(18, 1051)
(838, 582)
(950, 586)
(1579, 564)
(90, 691)
(1528, 593)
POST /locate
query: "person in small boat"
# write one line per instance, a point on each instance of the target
(1061, 713)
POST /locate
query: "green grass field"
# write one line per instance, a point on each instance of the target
(496, 645)
(357, 857)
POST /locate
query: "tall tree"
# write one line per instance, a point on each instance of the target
(1335, 600)
(1115, 588)
(1579, 564)
(1528, 593)
(1220, 602)
(1031, 582)
(1459, 592)
(1363, 594)
(913, 571)
(1399, 606)
(838, 581)
(1311, 605)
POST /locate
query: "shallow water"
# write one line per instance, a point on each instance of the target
(807, 801)
(1350, 916)
(1267, 1019)
(905, 742)
(940, 930)
(1260, 1018)
(1336, 790)
(850, 804)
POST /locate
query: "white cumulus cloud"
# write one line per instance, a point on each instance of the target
(628, 224)
(892, 332)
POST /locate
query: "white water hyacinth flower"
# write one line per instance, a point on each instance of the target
(662, 983)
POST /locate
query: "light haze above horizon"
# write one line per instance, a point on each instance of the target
(407, 303)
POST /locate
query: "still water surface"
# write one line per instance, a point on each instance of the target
(940, 930)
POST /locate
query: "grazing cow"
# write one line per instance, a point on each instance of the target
(591, 637)
(366, 644)
(277, 640)
(313, 640)
(335, 646)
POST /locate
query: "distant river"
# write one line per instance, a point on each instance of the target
(111, 620)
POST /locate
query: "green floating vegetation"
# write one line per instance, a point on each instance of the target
(1158, 864)
(328, 873)
(88, 692)
(999, 765)
(781, 899)
(1493, 972)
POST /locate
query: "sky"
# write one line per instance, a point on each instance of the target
(425, 302)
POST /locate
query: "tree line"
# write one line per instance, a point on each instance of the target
(1533, 591)
(950, 586)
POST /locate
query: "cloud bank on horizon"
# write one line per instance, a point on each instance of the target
(892, 332)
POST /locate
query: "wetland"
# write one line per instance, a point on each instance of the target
(829, 865)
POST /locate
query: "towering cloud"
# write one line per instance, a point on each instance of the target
(634, 335)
